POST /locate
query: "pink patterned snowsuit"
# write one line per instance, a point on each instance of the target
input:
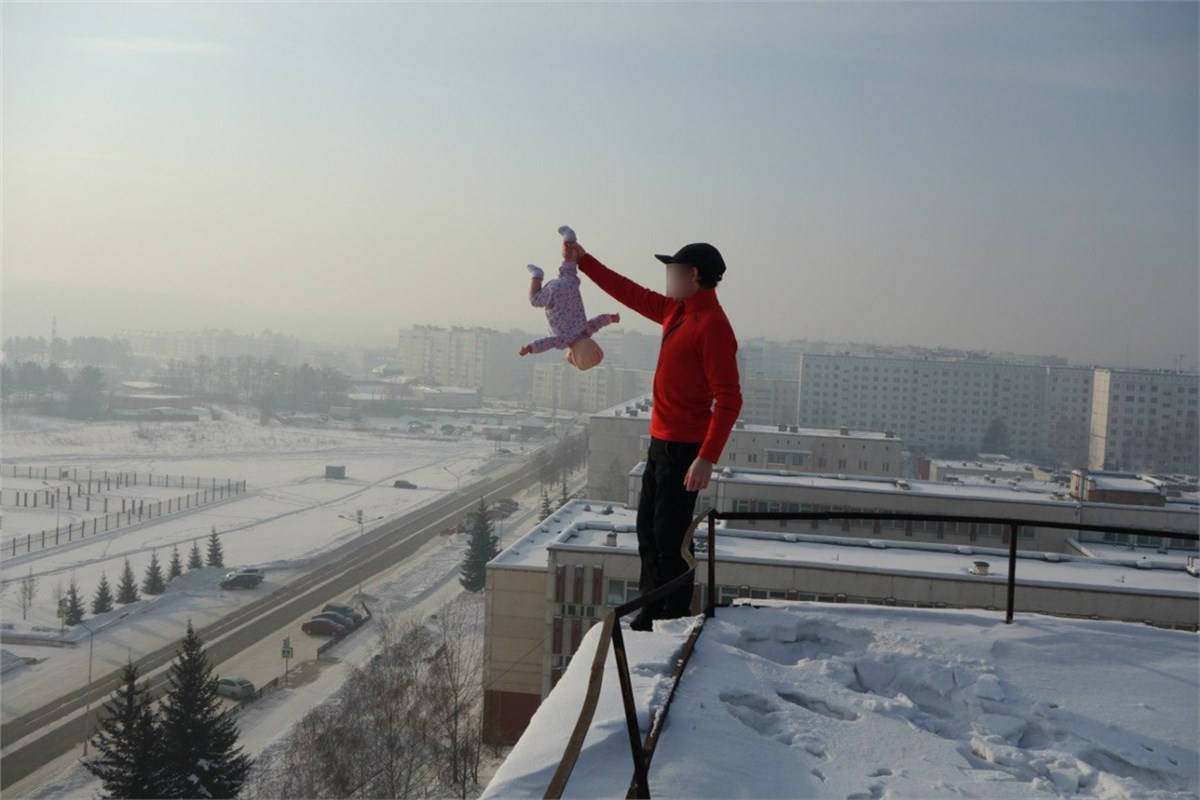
(564, 310)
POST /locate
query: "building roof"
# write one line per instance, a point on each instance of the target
(643, 404)
(1108, 483)
(1037, 492)
(583, 526)
(999, 464)
(529, 552)
(823, 700)
(1136, 573)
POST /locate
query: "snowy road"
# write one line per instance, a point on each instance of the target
(246, 627)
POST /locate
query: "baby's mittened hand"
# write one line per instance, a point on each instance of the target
(536, 272)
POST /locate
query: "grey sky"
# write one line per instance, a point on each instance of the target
(1005, 176)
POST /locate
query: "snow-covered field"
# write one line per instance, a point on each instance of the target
(289, 519)
(824, 700)
(417, 587)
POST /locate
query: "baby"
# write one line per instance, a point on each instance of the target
(571, 328)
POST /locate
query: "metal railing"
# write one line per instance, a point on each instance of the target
(611, 635)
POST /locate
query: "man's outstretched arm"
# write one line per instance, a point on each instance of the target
(647, 302)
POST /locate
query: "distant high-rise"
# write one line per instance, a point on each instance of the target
(1145, 420)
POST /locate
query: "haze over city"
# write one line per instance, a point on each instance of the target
(1011, 177)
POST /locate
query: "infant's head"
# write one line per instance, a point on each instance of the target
(584, 353)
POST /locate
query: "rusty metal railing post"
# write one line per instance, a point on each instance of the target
(640, 778)
(710, 608)
(1014, 531)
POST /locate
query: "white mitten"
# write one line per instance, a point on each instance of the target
(536, 271)
(567, 234)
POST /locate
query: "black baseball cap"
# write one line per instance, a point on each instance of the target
(702, 256)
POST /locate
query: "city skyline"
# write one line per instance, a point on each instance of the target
(1008, 177)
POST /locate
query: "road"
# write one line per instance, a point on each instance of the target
(249, 625)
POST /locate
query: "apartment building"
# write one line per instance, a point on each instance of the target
(953, 407)
(618, 437)
(1145, 421)
(562, 386)
(468, 357)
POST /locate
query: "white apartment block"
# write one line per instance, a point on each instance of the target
(1144, 420)
(618, 438)
(768, 401)
(947, 407)
(472, 358)
(559, 385)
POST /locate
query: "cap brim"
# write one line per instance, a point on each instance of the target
(666, 259)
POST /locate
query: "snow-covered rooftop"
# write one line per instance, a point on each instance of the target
(1022, 492)
(998, 463)
(584, 525)
(817, 700)
(644, 405)
(901, 557)
(529, 552)
(1110, 483)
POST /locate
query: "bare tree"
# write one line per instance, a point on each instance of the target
(405, 724)
(457, 691)
(27, 591)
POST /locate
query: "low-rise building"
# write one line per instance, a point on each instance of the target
(619, 437)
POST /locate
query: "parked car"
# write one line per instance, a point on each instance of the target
(345, 611)
(319, 626)
(237, 688)
(250, 571)
(404, 485)
(241, 580)
(333, 616)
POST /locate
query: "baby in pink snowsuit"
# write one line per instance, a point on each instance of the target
(564, 310)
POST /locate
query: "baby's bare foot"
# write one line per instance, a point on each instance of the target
(616, 317)
(526, 350)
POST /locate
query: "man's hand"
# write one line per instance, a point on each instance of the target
(572, 252)
(698, 475)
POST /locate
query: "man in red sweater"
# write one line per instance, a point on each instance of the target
(696, 399)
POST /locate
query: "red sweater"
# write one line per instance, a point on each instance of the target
(697, 362)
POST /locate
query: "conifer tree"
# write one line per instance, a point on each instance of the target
(176, 567)
(216, 556)
(127, 590)
(103, 601)
(127, 759)
(481, 549)
(74, 604)
(154, 583)
(195, 557)
(201, 757)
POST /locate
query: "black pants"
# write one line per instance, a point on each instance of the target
(664, 512)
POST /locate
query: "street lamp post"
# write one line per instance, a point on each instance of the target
(457, 478)
(87, 714)
(55, 488)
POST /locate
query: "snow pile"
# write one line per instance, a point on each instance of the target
(810, 699)
(10, 660)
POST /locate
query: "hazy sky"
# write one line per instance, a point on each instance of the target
(1009, 176)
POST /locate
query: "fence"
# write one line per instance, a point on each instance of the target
(96, 481)
(611, 636)
(133, 510)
